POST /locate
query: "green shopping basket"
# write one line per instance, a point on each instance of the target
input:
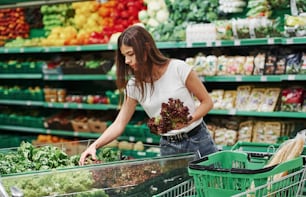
(226, 173)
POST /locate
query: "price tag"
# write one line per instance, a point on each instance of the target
(65, 105)
(75, 133)
(78, 48)
(80, 106)
(63, 49)
(208, 43)
(21, 50)
(6, 50)
(149, 140)
(109, 77)
(60, 77)
(289, 40)
(232, 112)
(189, 44)
(218, 43)
(291, 77)
(48, 131)
(141, 153)
(131, 138)
(29, 103)
(46, 77)
(263, 78)
(239, 78)
(50, 104)
(46, 49)
(271, 41)
(237, 42)
(110, 47)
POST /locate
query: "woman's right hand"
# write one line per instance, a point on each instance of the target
(90, 151)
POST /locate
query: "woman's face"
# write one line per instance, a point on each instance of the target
(130, 58)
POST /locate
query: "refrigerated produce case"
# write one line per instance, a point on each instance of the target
(139, 177)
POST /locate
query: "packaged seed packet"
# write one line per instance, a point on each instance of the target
(243, 93)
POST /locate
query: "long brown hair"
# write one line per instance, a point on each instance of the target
(146, 53)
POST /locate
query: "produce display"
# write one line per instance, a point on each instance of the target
(111, 179)
(254, 63)
(174, 115)
(13, 24)
(30, 158)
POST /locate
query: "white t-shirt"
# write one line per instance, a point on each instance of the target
(170, 85)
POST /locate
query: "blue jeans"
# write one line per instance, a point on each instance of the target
(200, 144)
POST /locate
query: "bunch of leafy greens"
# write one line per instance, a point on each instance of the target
(29, 158)
(55, 184)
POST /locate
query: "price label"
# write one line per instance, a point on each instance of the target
(21, 50)
(291, 77)
(131, 138)
(46, 49)
(232, 112)
(60, 77)
(289, 40)
(271, 41)
(48, 131)
(75, 134)
(46, 77)
(6, 50)
(110, 47)
(237, 43)
(208, 43)
(189, 44)
(63, 49)
(29, 103)
(263, 78)
(218, 43)
(65, 105)
(141, 153)
(50, 104)
(78, 48)
(239, 78)
(149, 140)
(80, 106)
(109, 77)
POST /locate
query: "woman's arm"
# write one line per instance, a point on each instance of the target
(197, 88)
(113, 131)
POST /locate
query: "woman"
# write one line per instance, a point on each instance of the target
(150, 78)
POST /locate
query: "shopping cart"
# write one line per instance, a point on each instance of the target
(228, 173)
(184, 189)
(291, 185)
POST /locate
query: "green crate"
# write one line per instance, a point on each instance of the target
(226, 173)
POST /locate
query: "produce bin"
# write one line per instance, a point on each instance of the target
(139, 177)
(226, 173)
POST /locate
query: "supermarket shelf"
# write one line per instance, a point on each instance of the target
(28, 3)
(254, 78)
(64, 105)
(233, 78)
(80, 106)
(88, 135)
(21, 102)
(20, 76)
(79, 77)
(277, 114)
(239, 42)
(161, 45)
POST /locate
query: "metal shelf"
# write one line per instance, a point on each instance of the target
(161, 45)
(27, 3)
(276, 114)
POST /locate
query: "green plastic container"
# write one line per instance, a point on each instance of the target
(227, 173)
